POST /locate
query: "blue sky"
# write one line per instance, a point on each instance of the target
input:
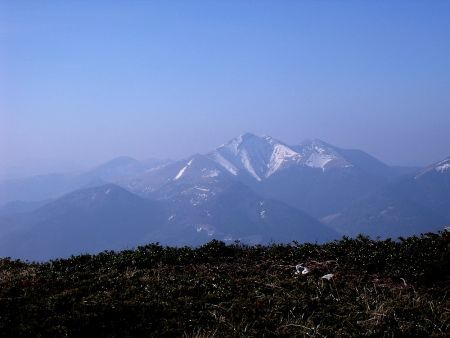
(84, 81)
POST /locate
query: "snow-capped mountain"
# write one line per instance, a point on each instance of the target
(314, 176)
(263, 156)
(257, 156)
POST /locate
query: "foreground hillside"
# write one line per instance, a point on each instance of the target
(377, 288)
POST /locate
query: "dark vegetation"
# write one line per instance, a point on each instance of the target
(379, 288)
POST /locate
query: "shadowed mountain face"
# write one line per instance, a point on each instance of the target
(419, 203)
(430, 188)
(109, 217)
(258, 220)
(385, 215)
(328, 180)
(89, 220)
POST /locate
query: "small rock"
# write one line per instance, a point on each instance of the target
(328, 276)
(300, 269)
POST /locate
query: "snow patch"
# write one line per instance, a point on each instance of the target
(201, 189)
(248, 165)
(225, 163)
(280, 155)
(328, 276)
(183, 170)
(210, 173)
(206, 228)
(319, 160)
(443, 167)
(263, 213)
(387, 210)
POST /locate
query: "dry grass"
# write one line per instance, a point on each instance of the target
(221, 291)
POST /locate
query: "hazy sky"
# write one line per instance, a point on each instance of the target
(84, 81)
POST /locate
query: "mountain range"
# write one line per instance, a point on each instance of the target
(254, 189)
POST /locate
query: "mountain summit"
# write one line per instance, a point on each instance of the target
(262, 156)
(258, 156)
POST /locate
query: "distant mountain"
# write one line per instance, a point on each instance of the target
(420, 203)
(88, 220)
(119, 167)
(314, 176)
(430, 188)
(327, 178)
(44, 187)
(258, 157)
(264, 156)
(385, 215)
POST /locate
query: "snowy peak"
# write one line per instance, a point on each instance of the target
(262, 156)
(441, 167)
(258, 156)
(321, 155)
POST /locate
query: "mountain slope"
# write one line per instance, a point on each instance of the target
(109, 217)
(385, 215)
(88, 220)
(326, 179)
(237, 213)
(210, 200)
(412, 205)
(431, 188)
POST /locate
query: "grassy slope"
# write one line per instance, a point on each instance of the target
(379, 288)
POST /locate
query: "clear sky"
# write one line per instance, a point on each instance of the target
(84, 81)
